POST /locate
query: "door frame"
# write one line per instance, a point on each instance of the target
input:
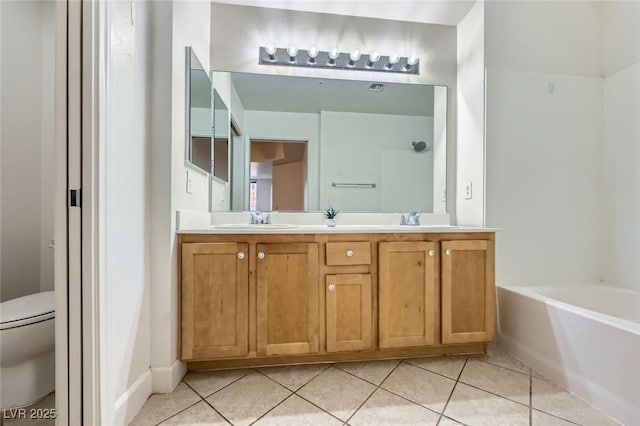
(80, 31)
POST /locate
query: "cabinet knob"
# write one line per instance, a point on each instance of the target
(331, 287)
(447, 252)
(349, 253)
(432, 252)
(241, 255)
(261, 255)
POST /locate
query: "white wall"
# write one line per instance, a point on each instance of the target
(175, 25)
(544, 135)
(621, 144)
(238, 31)
(220, 191)
(376, 148)
(283, 126)
(620, 35)
(239, 197)
(440, 149)
(543, 176)
(125, 164)
(26, 145)
(590, 184)
(560, 37)
(470, 118)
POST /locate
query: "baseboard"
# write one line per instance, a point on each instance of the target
(165, 379)
(591, 392)
(132, 400)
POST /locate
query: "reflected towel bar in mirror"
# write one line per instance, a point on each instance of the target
(353, 185)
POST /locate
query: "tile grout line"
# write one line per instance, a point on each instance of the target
(274, 407)
(431, 371)
(207, 402)
(493, 393)
(371, 383)
(557, 417)
(314, 404)
(251, 370)
(396, 394)
(178, 412)
(453, 390)
(407, 399)
(474, 386)
(374, 391)
(320, 408)
(293, 392)
(548, 380)
(219, 413)
(502, 366)
(329, 365)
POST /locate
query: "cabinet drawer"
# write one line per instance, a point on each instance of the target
(349, 253)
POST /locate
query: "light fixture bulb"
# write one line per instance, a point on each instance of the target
(373, 57)
(334, 53)
(355, 55)
(413, 59)
(312, 51)
(292, 50)
(270, 48)
(394, 59)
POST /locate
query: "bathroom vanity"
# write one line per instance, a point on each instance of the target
(260, 296)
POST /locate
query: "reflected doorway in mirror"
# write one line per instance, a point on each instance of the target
(278, 175)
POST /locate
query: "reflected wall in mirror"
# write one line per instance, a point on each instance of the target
(369, 146)
(199, 114)
(221, 140)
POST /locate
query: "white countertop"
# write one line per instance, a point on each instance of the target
(190, 222)
(324, 229)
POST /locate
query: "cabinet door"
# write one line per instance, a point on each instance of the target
(348, 308)
(408, 294)
(468, 291)
(287, 298)
(215, 281)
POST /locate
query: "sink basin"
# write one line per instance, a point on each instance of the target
(246, 226)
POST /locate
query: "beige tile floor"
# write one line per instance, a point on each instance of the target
(494, 389)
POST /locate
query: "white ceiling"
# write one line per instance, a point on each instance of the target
(444, 12)
(311, 95)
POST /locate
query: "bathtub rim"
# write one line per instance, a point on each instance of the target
(613, 321)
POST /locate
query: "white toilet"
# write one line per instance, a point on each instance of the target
(27, 361)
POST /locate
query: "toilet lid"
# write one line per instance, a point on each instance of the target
(27, 310)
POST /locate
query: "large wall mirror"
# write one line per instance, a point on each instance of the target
(355, 145)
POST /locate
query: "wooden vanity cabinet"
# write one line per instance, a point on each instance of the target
(272, 299)
(348, 312)
(468, 291)
(287, 298)
(215, 279)
(408, 294)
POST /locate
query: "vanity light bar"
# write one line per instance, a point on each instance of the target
(292, 57)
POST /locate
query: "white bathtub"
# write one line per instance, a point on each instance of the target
(584, 337)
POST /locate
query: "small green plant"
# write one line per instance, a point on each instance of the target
(330, 213)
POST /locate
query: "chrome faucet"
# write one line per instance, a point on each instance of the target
(258, 218)
(412, 219)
